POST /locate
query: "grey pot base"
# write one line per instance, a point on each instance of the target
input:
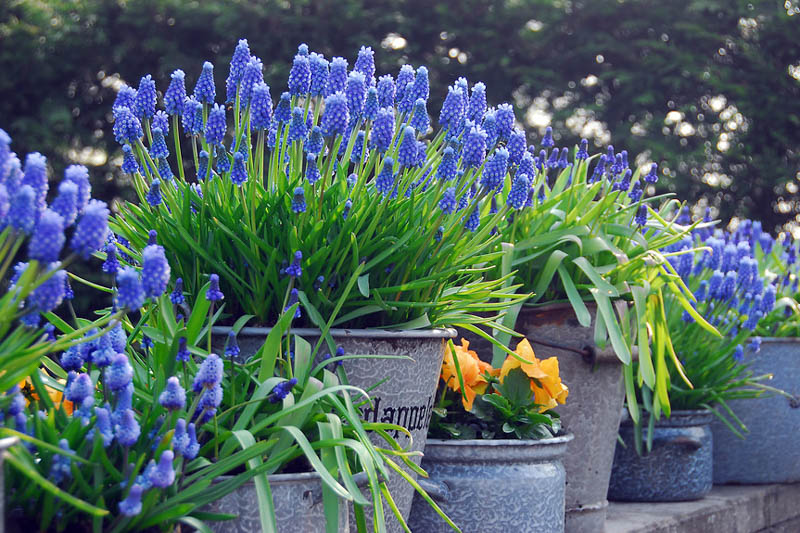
(679, 467)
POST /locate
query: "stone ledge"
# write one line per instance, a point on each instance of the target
(729, 509)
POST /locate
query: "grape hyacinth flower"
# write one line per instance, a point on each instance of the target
(173, 397)
(119, 374)
(35, 175)
(295, 270)
(282, 390)
(518, 194)
(297, 129)
(90, 233)
(127, 429)
(61, 466)
(404, 78)
(232, 346)
(132, 504)
(260, 107)
(145, 101)
(192, 120)
(312, 171)
(300, 76)
(447, 167)
(50, 293)
(155, 271)
(365, 64)
(371, 104)
(356, 93)
(641, 216)
(385, 180)
(129, 163)
(319, 73)
(126, 97)
(299, 201)
(383, 130)
(294, 298)
(547, 140)
(204, 90)
(517, 146)
(176, 93)
(420, 120)
(337, 78)
(48, 238)
(213, 294)
(495, 171)
(474, 150)
(336, 115)
(193, 447)
(180, 439)
(66, 203)
(216, 125)
(183, 354)
(127, 128)
(209, 374)
(407, 153)
(348, 204)
(452, 111)
(79, 389)
(448, 202)
(153, 195)
(315, 142)
(252, 76)
(239, 171)
(652, 176)
(473, 221)
(504, 118)
(103, 426)
(130, 292)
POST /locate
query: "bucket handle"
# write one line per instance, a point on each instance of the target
(438, 490)
(692, 443)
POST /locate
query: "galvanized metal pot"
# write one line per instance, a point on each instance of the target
(298, 506)
(493, 486)
(677, 469)
(593, 409)
(768, 454)
(406, 397)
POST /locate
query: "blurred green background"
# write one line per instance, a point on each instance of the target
(708, 89)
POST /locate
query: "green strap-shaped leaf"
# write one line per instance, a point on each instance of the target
(578, 305)
(599, 283)
(546, 275)
(640, 304)
(618, 342)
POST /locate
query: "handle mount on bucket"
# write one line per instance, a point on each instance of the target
(588, 353)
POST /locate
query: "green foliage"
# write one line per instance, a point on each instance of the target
(62, 60)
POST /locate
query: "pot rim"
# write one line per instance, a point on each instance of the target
(678, 417)
(496, 451)
(497, 443)
(277, 479)
(775, 340)
(434, 333)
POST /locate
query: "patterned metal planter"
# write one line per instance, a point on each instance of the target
(4, 445)
(298, 506)
(493, 486)
(677, 469)
(592, 412)
(768, 454)
(405, 398)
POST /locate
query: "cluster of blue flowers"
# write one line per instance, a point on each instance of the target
(732, 287)
(24, 211)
